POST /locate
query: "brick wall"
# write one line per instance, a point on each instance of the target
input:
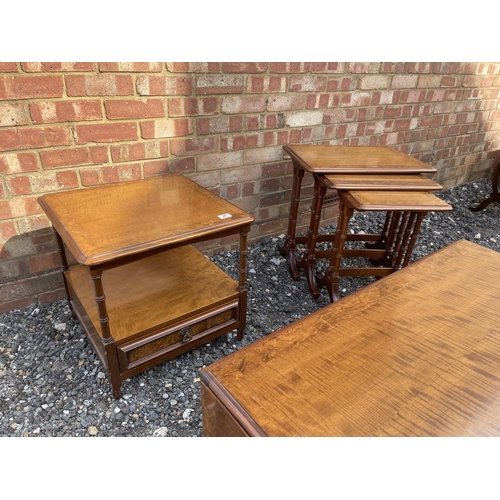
(72, 125)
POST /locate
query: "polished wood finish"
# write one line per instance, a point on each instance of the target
(325, 159)
(383, 182)
(141, 291)
(413, 354)
(355, 159)
(389, 251)
(105, 223)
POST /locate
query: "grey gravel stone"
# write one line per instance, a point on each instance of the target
(52, 382)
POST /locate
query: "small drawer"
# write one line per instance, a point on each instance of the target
(162, 345)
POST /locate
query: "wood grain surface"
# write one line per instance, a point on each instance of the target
(355, 159)
(414, 354)
(105, 222)
(387, 182)
(155, 291)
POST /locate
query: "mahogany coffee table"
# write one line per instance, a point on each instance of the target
(413, 354)
(141, 291)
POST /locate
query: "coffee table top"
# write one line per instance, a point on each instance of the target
(104, 223)
(355, 159)
(413, 354)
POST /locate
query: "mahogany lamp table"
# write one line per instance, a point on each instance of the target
(325, 159)
(139, 288)
(413, 354)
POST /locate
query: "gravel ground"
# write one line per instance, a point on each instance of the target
(52, 383)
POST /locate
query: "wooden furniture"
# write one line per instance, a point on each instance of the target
(495, 194)
(140, 289)
(389, 251)
(324, 159)
(412, 189)
(413, 354)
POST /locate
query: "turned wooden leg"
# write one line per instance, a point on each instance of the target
(288, 247)
(309, 259)
(242, 284)
(64, 268)
(109, 345)
(332, 275)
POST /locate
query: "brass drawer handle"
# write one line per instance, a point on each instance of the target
(186, 336)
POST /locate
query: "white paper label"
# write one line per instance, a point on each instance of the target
(224, 216)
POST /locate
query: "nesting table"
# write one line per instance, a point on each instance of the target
(325, 159)
(377, 175)
(141, 290)
(415, 353)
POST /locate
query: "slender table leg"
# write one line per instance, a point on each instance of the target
(64, 268)
(413, 239)
(288, 247)
(332, 275)
(107, 340)
(309, 259)
(397, 264)
(242, 284)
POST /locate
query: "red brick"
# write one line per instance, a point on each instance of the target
(119, 173)
(19, 185)
(244, 67)
(266, 84)
(13, 114)
(412, 96)
(431, 121)
(239, 142)
(193, 106)
(7, 230)
(106, 132)
(30, 87)
(420, 67)
(218, 161)
(139, 151)
(308, 83)
(286, 102)
(194, 67)
(31, 138)
(164, 85)
(182, 165)
(99, 85)
(90, 177)
(65, 111)
(18, 162)
(131, 67)
(8, 67)
(402, 124)
(123, 109)
(74, 157)
(331, 67)
(219, 125)
(44, 262)
(184, 147)
(167, 128)
(240, 174)
(52, 67)
(294, 67)
(364, 67)
(243, 104)
(220, 84)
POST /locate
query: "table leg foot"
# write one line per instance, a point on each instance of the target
(311, 280)
(291, 261)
